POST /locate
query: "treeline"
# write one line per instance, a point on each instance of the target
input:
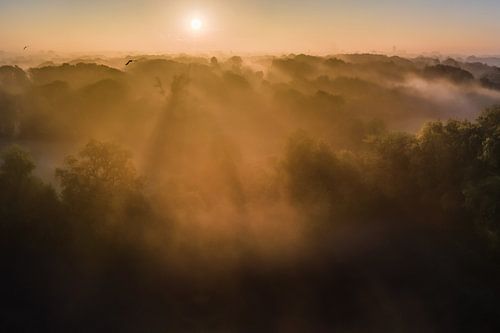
(401, 234)
(76, 101)
(447, 172)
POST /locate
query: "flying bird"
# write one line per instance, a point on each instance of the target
(128, 62)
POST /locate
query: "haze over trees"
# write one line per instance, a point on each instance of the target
(349, 193)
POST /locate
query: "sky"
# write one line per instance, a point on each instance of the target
(258, 26)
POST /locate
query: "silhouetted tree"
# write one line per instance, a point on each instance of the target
(98, 183)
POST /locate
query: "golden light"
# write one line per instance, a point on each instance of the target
(196, 24)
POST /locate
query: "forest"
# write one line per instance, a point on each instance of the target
(294, 193)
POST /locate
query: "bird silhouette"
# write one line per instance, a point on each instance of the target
(128, 62)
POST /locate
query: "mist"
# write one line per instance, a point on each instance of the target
(292, 193)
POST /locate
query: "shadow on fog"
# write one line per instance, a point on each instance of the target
(256, 194)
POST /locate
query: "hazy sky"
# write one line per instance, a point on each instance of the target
(447, 26)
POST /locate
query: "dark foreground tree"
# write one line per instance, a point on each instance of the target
(100, 183)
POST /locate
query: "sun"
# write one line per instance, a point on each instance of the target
(196, 24)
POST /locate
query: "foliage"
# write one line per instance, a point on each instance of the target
(99, 181)
(354, 228)
(17, 164)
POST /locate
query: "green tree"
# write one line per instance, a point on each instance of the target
(24, 199)
(489, 122)
(100, 182)
(315, 175)
(17, 165)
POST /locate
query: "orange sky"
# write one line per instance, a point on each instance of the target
(446, 26)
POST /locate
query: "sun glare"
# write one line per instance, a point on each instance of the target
(196, 24)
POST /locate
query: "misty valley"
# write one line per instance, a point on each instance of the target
(294, 193)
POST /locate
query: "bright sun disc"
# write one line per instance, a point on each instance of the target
(196, 24)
